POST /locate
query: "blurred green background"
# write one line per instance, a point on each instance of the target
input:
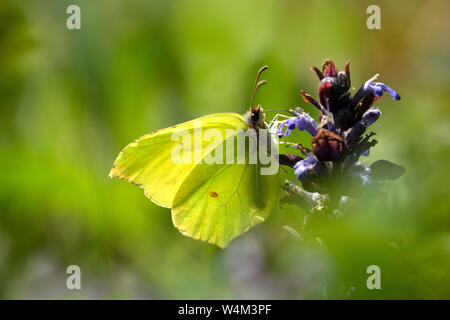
(71, 99)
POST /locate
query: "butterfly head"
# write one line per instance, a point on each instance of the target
(255, 117)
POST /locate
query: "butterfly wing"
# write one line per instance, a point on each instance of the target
(218, 202)
(148, 163)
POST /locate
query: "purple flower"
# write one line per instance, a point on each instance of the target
(332, 166)
(354, 134)
(302, 122)
(305, 167)
(362, 173)
(365, 179)
(370, 116)
(377, 88)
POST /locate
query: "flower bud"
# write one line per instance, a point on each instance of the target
(328, 146)
(370, 116)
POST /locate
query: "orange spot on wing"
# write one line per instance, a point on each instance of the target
(213, 194)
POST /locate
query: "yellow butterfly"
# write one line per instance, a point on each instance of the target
(213, 202)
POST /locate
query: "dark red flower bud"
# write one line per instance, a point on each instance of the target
(328, 146)
(317, 72)
(347, 72)
(327, 95)
(329, 69)
(310, 99)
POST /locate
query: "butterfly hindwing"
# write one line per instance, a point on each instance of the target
(218, 202)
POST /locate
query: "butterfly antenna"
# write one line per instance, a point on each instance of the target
(257, 84)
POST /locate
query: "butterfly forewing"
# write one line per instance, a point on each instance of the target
(149, 160)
